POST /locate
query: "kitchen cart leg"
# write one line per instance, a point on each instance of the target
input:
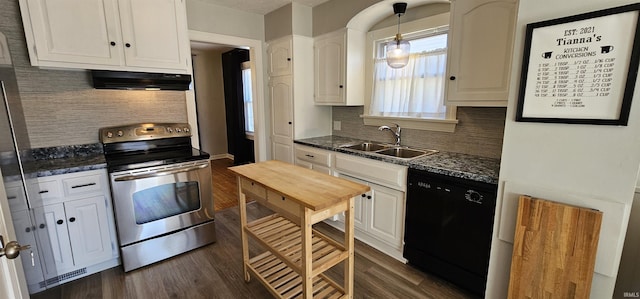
(242, 205)
(307, 260)
(349, 245)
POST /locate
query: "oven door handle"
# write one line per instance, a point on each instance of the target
(160, 173)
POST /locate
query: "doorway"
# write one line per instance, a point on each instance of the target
(223, 93)
(206, 102)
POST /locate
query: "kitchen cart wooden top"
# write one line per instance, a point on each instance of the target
(309, 188)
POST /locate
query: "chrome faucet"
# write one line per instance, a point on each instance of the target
(396, 133)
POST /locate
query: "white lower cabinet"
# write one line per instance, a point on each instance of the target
(78, 233)
(379, 213)
(30, 258)
(386, 211)
(313, 158)
(74, 226)
(54, 239)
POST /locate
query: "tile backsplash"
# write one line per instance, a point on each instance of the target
(479, 131)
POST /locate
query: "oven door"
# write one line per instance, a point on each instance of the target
(155, 201)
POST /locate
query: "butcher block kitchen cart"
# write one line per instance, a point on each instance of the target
(296, 254)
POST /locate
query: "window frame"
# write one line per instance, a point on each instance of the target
(247, 66)
(407, 29)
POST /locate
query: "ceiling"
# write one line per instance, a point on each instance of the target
(261, 7)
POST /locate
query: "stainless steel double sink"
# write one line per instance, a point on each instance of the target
(390, 150)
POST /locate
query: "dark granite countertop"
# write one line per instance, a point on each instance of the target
(42, 162)
(458, 165)
(43, 168)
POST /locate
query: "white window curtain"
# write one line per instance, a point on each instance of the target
(416, 90)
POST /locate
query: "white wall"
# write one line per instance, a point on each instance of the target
(585, 164)
(210, 23)
(202, 16)
(209, 89)
(629, 274)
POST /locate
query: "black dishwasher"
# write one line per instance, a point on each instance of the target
(448, 227)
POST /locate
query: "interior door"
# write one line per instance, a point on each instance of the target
(13, 200)
(12, 282)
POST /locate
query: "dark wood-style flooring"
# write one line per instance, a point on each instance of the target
(215, 271)
(225, 187)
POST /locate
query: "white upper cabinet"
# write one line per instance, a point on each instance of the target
(154, 33)
(73, 31)
(339, 68)
(133, 35)
(280, 53)
(479, 52)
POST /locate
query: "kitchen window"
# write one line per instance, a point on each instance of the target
(412, 96)
(248, 99)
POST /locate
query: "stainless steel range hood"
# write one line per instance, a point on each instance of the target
(139, 80)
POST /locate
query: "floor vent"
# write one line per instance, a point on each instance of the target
(62, 277)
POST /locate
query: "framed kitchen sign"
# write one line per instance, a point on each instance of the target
(581, 69)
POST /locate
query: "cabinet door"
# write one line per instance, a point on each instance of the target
(359, 206)
(15, 196)
(304, 164)
(74, 31)
(88, 230)
(154, 33)
(320, 168)
(479, 52)
(25, 233)
(282, 118)
(280, 54)
(51, 228)
(329, 60)
(386, 208)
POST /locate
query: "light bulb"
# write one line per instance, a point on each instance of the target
(398, 53)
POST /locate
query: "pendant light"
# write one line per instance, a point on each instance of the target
(398, 49)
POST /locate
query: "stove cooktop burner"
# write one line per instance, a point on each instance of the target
(123, 162)
(146, 145)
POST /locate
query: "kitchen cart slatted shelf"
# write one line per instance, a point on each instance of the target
(282, 280)
(284, 240)
(296, 255)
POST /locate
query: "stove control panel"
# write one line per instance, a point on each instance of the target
(145, 131)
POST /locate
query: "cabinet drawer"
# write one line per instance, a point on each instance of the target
(253, 188)
(15, 195)
(45, 191)
(386, 174)
(282, 202)
(83, 185)
(314, 156)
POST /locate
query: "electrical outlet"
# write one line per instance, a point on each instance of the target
(337, 125)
